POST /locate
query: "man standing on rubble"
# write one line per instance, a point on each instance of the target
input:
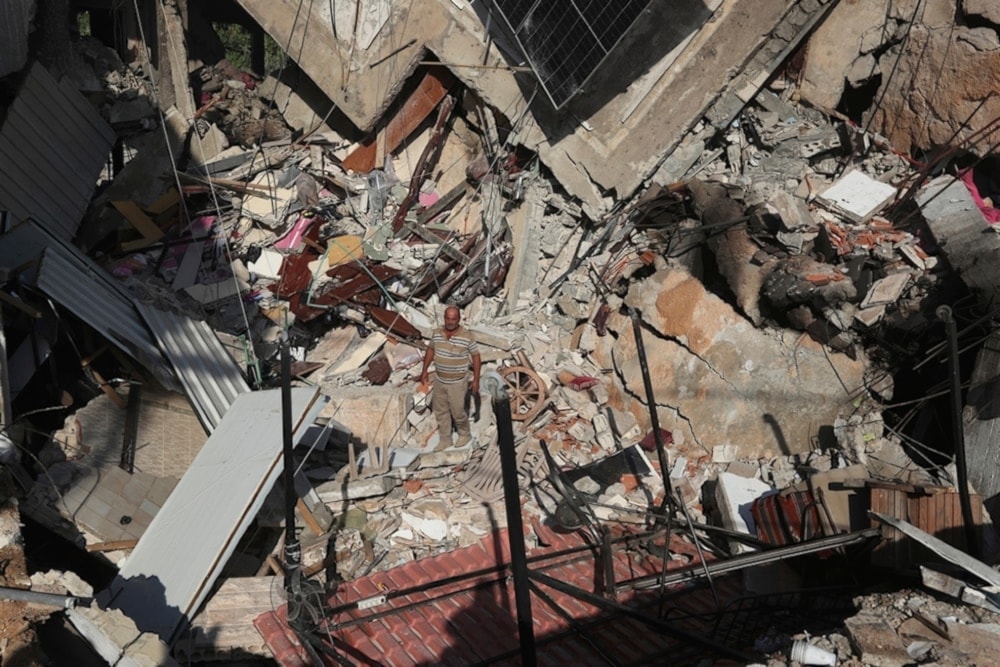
(452, 349)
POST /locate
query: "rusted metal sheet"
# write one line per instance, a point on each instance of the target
(935, 510)
(354, 287)
(418, 172)
(428, 94)
(393, 322)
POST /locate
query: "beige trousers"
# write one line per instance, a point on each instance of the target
(448, 403)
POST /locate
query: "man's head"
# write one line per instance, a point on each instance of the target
(452, 317)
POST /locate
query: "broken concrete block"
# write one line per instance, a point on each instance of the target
(857, 196)
(581, 432)
(886, 290)
(114, 636)
(434, 529)
(338, 490)
(587, 485)
(876, 641)
(724, 453)
(205, 148)
(791, 211)
(734, 495)
(448, 457)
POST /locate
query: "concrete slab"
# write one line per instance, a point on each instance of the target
(876, 641)
(857, 196)
(969, 242)
(734, 495)
(606, 140)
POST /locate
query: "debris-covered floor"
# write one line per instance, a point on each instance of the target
(739, 412)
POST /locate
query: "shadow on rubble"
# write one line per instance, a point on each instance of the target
(657, 30)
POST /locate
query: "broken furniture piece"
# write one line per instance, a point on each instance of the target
(528, 392)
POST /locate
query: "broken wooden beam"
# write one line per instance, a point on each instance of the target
(428, 94)
(418, 172)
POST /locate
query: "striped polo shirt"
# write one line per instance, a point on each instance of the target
(452, 356)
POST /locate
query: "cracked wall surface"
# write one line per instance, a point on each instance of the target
(720, 381)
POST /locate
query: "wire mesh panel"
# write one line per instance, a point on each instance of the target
(565, 41)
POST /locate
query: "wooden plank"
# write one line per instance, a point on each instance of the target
(138, 219)
(25, 308)
(308, 517)
(418, 106)
(114, 545)
(164, 202)
(882, 554)
(945, 550)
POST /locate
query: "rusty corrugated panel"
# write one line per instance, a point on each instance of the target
(15, 21)
(393, 322)
(428, 94)
(85, 289)
(53, 145)
(934, 510)
(210, 376)
(361, 282)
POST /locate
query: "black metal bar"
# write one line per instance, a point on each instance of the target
(651, 401)
(515, 527)
(653, 623)
(293, 554)
(958, 433)
(131, 428)
(736, 563)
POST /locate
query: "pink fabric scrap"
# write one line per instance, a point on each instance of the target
(293, 238)
(991, 213)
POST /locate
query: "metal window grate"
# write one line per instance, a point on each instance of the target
(565, 41)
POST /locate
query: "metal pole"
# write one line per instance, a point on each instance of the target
(293, 555)
(651, 401)
(131, 428)
(515, 527)
(958, 434)
(38, 597)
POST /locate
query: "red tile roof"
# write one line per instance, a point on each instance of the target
(458, 608)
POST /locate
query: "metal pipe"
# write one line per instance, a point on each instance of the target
(131, 428)
(38, 597)
(958, 434)
(293, 556)
(651, 401)
(515, 527)
(662, 454)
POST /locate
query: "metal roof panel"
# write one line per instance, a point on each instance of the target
(53, 145)
(208, 373)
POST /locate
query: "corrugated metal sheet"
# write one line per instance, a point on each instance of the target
(15, 20)
(52, 147)
(209, 374)
(23, 244)
(176, 562)
(86, 290)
